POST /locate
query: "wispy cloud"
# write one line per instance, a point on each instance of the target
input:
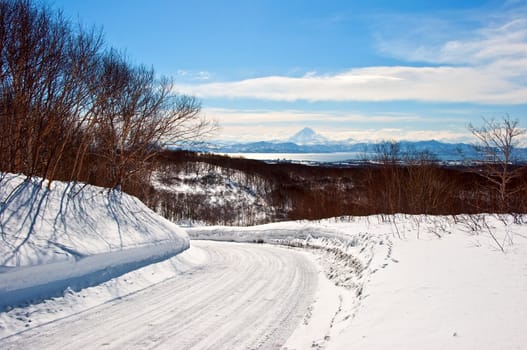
(240, 125)
(485, 66)
(240, 116)
(505, 41)
(193, 75)
(491, 84)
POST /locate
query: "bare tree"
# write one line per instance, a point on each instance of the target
(45, 74)
(496, 141)
(138, 115)
(71, 111)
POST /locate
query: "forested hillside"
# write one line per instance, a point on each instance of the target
(296, 191)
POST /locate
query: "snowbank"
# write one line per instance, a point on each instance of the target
(74, 236)
(70, 302)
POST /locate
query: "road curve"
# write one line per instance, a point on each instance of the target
(244, 296)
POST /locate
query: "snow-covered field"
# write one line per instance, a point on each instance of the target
(92, 268)
(457, 292)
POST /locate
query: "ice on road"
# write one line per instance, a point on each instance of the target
(242, 296)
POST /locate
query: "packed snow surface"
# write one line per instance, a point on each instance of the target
(236, 296)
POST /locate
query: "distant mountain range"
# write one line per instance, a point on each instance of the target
(308, 141)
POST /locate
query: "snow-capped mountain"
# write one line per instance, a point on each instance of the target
(308, 136)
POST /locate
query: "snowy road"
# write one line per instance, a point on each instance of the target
(242, 296)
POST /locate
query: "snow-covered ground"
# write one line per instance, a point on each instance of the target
(414, 282)
(94, 268)
(457, 292)
(73, 237)
(237, 296)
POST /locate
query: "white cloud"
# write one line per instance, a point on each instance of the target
(258, 125)
(240, 116)
(504, 42)
(488, 68)
(482, 66)
(498, 83)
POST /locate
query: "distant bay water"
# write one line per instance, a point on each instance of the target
(303, 157)
(329, 157)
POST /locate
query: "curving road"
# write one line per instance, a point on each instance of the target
(243, 297)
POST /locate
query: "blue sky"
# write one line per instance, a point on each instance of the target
(361, 69)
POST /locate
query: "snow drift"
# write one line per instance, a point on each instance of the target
(74, 235)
